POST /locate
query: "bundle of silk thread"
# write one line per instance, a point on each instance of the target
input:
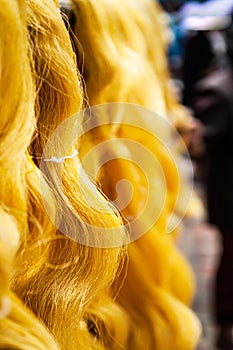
(19, 328)
(50, 281)
(118, 62)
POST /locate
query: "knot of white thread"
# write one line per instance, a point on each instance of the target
(60, 160)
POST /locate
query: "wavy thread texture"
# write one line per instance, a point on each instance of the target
(55, 276)
(19, 328)
(159, 282)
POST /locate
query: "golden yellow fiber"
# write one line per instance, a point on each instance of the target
(58, 278)
(121, 65)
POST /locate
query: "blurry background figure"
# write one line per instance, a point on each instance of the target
(198, 58)
(208, 88)
(187, 16)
